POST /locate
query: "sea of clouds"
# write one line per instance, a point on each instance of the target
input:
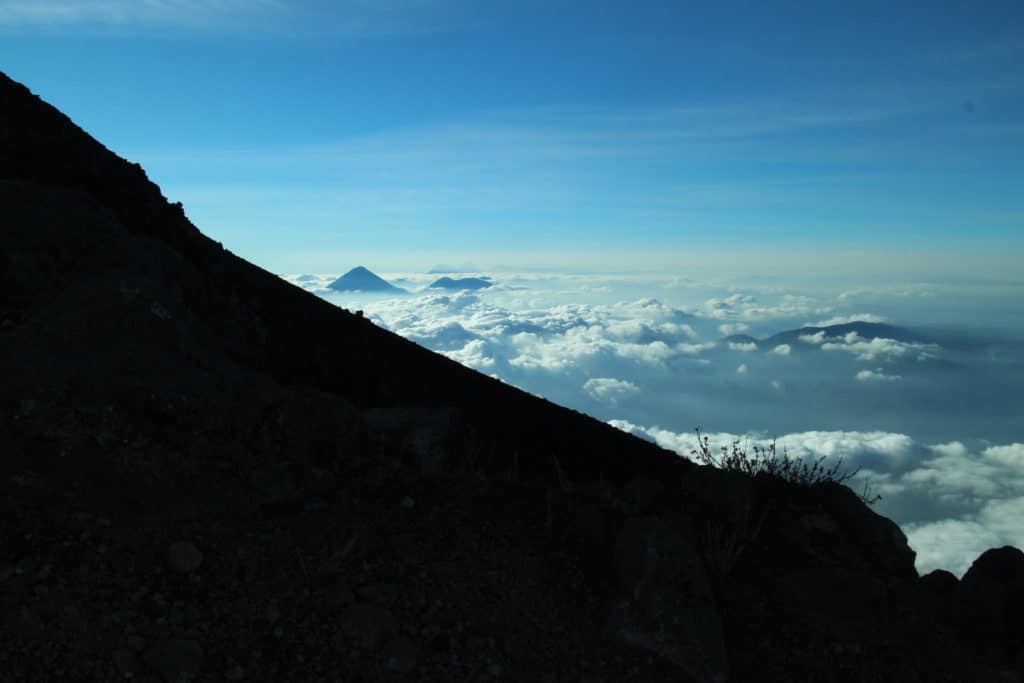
(932, 423)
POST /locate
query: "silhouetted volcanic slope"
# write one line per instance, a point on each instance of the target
(293, 336)
(194, 452)
(471, 283)
(359, 279)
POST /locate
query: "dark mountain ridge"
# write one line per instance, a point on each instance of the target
(210, 474)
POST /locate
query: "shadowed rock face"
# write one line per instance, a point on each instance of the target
(209, 474)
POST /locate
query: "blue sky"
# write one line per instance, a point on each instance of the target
(312, 136)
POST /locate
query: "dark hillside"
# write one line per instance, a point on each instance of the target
(208, 474)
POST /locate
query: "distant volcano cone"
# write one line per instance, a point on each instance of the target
(361, 279)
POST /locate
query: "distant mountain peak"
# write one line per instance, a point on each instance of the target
(362, 279)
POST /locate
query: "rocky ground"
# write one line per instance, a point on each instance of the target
(210, 475)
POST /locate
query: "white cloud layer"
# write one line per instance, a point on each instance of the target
(609, 388)
(727, 329)
(747, 308)
(816, 338)
(557, 338)
(879, 348)
(876, 375)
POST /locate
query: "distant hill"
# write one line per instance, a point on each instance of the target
(461, 283)
(865, 330)
(360, 279)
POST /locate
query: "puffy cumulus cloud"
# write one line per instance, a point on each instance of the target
(952, 503)
(695, 349)
(1004, 517)
(742, 369)
(725, 307)
(641, 330)
(745, 347)
(654, 353)
(876, 375)
(528, 334)
(533, 352)
(682, 444)
(609, 389)
(953, 544)
(816, 338)
(952, 449)
(877, 451)
(727, 329)
(443, 336)
(957, 479)
(1011, 456)
(746, 307)
(474, 354)
(577, 345)
(782, 350)
(648, 308)
(879, 348)
(950, 544)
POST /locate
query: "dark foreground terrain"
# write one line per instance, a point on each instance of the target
(209, 475)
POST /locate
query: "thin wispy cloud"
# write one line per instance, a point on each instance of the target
(241, 18)
(876, 375)
(132, 13)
